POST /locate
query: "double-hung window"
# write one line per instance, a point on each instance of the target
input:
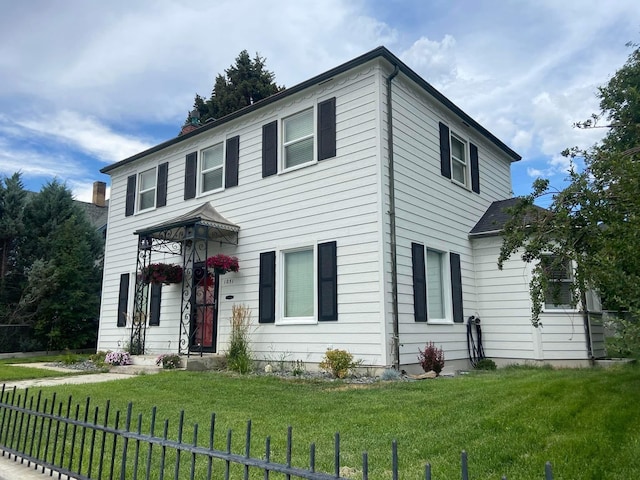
(298, 139)
(211, 173)
(435, 285)
(147, 189)
(458, 159)
(299, 284)
(559, 292)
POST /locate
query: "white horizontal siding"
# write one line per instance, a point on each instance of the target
(435, 212)
(335, 199)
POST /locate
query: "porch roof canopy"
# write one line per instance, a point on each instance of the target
(203, 222)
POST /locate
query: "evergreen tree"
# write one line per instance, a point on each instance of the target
(243, 84)
(61, 283)
(12, 201)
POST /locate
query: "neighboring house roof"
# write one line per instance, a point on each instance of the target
(494, 219)
(96, 215)
(380, 52)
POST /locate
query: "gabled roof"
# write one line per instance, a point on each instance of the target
(380, 52)
(493, 220)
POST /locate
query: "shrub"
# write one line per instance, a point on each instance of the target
(239, 353)
(70, 357)
(390, 375)
(168, 361)
(339, 363)
(117, 358)
(485, 364)
(431, 358)
(98, 358)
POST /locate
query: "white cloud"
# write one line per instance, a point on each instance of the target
(87, 134)
(436, 60)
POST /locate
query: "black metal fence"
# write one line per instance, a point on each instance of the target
(82, 442)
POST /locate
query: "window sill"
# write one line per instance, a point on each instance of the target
(297, 167)
(209, 192)
(297, 321)
(440, 321)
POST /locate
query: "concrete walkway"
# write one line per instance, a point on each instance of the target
(11, 468)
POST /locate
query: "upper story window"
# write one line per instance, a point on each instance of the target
(147, 189)
(298, 139)
(217, 168)
(211, 173)
(458, 160)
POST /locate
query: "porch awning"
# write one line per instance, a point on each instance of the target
(203, 222)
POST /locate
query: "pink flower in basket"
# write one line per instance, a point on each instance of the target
(222, 263)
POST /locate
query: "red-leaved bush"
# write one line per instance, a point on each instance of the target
(431, 358)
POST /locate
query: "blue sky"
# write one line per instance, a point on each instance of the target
(87, 83)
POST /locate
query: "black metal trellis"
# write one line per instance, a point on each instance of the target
(189, 238)
(67, 443)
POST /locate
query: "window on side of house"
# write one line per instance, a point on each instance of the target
(298, 139)
(559, 293)
(212, 168)
(298, 302)
(459, 155)
(147, 189)
(436, 308)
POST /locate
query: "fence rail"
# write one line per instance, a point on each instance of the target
(69, 439)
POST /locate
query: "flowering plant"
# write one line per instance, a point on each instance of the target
(161, 273)
(168, 360)
(117, 358)
(222, 263)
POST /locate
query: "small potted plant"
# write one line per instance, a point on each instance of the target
(222, 263)
(161, 273)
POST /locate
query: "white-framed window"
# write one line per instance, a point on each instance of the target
(212, 168)
(437, 308)
(298, 139)
(298, 292)
(459, 159)
(559, 293)
(147, 189)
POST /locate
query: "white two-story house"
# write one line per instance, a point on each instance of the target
(361, 205)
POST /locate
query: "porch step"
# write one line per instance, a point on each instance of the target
(209, 361)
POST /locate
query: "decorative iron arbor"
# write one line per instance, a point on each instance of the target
(189, 237)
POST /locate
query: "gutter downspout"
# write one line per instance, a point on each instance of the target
(392, 218)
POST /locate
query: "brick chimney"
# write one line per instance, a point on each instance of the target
(99, 191)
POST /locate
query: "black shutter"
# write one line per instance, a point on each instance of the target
(231, 162)
(161, 192)
(267, 289)
(475, 172)
(327, 282)
(327, 129)
(130, 204)
(419, 283)
(190, 174)
(154, 307)
(123, 300)
(456, 288)
(270, 149)
(445, 151)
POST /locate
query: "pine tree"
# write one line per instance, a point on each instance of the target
(243, 84)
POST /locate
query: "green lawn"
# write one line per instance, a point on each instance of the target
(10, 373)
(586, 422)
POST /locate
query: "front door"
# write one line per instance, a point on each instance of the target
(204, 313)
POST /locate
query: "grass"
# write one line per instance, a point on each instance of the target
(585, 422)
(11, 373)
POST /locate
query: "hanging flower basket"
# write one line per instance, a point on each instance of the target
(222, 263)
(161, 273)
